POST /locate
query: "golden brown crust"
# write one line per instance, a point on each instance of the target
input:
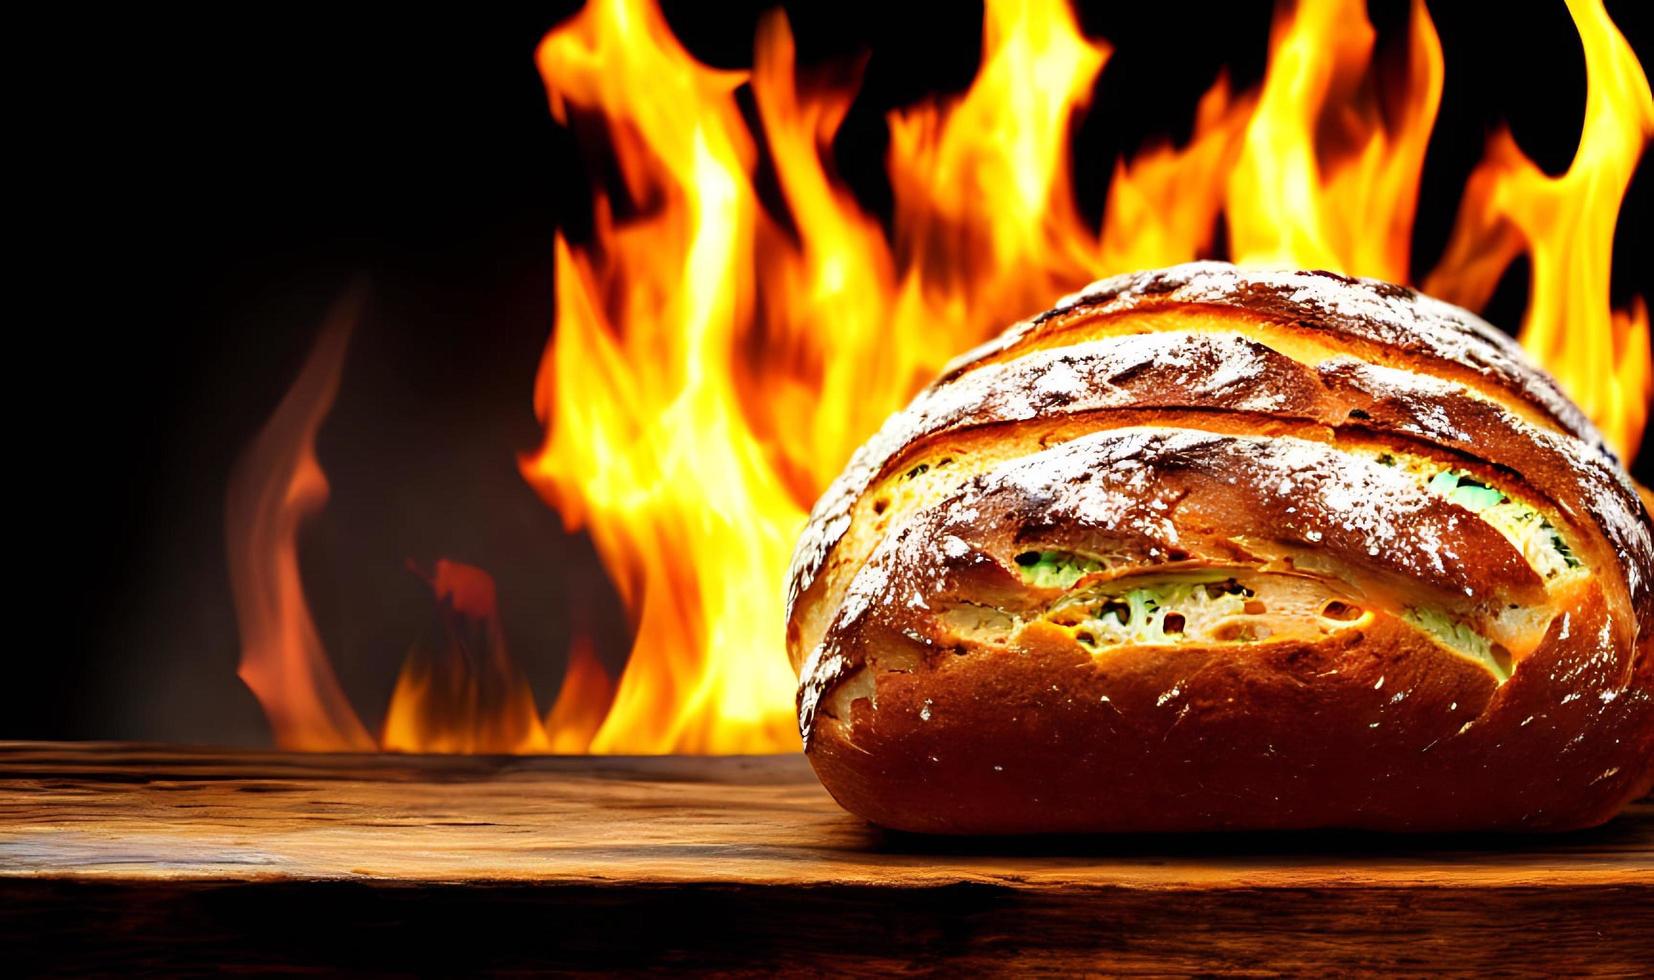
(1222, 437)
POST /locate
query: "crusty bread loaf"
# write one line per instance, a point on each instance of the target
(1209, 548)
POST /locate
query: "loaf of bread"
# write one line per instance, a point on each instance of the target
(1208, 548)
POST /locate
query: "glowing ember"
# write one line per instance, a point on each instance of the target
(714, 362)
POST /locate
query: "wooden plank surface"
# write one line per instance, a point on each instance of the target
(114, 855)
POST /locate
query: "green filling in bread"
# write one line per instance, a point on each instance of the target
(1183, 607)
(1163, 613)
(1055, 569)
(1530, 531)
(1462, 639)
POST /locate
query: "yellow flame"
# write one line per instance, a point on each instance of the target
(985, 218)
(682, 456)
(1601, 356)
(648, 444)
(463, 694)
(1325, 179)
(1163, 203)
(826, 289)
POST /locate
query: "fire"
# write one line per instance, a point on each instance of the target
(582, 703)
(1566, 226)
(719, 352)
(460, 693)
(276, 486)
(463, 693)
(1164, 203)
(1329, 169)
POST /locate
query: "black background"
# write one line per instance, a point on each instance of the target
(200, 187)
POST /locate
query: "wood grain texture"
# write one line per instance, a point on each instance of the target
(113, 856)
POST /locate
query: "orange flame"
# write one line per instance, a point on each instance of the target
(583, 702)
(465, 694)
(276, 486)
(1324, 180)
(1163, 204)
(718, 354)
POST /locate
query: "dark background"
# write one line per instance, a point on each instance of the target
(199, 188)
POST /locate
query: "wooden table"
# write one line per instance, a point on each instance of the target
(114, 856)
